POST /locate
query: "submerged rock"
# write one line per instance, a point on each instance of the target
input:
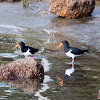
(27, 68)
(72, 8)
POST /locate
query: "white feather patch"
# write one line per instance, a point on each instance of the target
(69, 54)
(27, 53)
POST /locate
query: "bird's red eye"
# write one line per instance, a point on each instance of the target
(19, 43)
(63, 41)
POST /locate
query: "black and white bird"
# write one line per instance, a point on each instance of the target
(26, 50)
(72, 51)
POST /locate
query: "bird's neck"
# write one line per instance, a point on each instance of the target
(66, 48)
(22, 47)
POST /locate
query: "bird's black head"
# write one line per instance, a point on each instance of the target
(65, 42)
(21, 43)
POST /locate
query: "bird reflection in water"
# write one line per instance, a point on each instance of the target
(69, 71)
(61, 81)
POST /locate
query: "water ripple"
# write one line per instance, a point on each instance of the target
(8, 55)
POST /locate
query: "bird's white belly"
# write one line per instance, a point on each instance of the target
(27, 53)
(69, 54)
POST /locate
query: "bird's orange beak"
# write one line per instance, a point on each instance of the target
(60, 45)
(16, 46)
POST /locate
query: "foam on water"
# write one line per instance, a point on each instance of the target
(11, 28)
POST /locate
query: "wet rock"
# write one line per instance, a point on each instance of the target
(27, 68)
(72, 8)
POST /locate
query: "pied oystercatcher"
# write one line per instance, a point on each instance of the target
(71, 51)
(27, 51)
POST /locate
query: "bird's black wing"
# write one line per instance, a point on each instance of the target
(76, 51)
(32, 50)
(24, 49)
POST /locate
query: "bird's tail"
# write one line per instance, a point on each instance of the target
(86, 51)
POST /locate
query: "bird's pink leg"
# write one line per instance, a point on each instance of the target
(31, 56)
(72, 62)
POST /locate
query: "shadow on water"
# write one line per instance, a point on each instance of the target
(62, 22)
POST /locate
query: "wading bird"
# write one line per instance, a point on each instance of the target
(71, 51)
(26, 50)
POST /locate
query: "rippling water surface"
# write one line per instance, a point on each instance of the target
(37, 27)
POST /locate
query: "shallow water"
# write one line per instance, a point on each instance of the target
(37, 27)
